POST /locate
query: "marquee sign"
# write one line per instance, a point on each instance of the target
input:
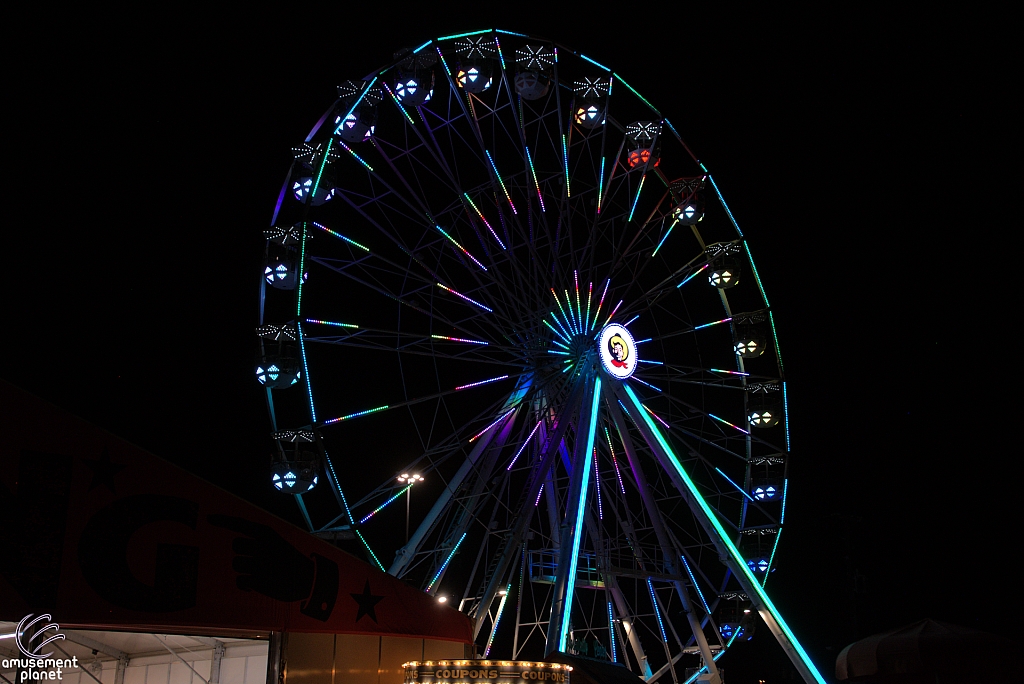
(617, 350)
(484, 672)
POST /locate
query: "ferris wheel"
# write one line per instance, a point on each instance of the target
(497, 255)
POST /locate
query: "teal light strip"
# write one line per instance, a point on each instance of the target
(637, 94)
(593, 62)
(775, 336)
(370, 551)
(637, 198)
(422, 46)
(463, 35)
(725, 206)
(570, 582)
(323, 164)
(738, 488)
(771, 558)
(723, 537)
(756, 276)
(351, 520)
(447, 560)
(512, 33)
(397, 102)
(785, 412)
(337, 131)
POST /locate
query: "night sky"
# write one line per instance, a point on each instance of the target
(858, 154)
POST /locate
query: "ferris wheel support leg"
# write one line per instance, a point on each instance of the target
(405, 554)
(573, 527)
(524, 509)
(622, 608)
(668, 549)
(728, 552)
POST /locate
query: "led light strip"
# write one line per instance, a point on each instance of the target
(445, 564)
(665, 237)
(477, 435)
(533, 171)
(613, 312)
(578, 529)
(471, 301)
(460, 247)
(482, 382)
(399, 103)
(339, 235)
(383, 505)
(372, 554)
(356, 415)
(611, 633)
(657, 613)
(615, 461)
(358, 158)
(484, 219)
(720, 370)
(501, 182)
(497, 620)
(656, 389)
(771, 558)
(525, 443)
(695, 585)
(708, 325)
(458, 339)
(725, 540)
(738, 488)
(600, 303)
(637, 198)
(337, 325)
(723, 420)
(692, 276)
(657, 417)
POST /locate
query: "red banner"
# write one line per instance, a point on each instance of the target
(101, 533)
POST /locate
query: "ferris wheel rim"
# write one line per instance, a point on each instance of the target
(490, 257)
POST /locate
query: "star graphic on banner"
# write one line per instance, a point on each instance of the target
(366, 602)
(103, 471)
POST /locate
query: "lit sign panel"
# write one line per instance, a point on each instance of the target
(617, 350)
(484, 671)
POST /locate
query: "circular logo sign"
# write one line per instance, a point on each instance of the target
(618, 351)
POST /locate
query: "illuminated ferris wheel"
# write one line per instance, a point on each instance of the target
(497, 258)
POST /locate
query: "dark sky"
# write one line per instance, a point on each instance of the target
(858, 153)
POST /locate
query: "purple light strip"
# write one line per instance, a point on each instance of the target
(613, 312)
(338, 325)
(527, 441)
(455, 339)
(471, 301)
(503, 417)
(644, 383)
(615, 461)
(657, 418)
(482, 382)
(597, 480)
(600, 303)
(539, 492)
(723, 420)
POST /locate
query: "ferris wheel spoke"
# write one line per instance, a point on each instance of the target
(418, 400)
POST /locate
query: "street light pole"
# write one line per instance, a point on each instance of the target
(411, 479)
